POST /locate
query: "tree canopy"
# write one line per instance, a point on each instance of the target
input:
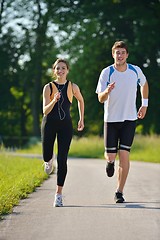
(34, 33)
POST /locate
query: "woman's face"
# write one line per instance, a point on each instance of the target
(61, 70)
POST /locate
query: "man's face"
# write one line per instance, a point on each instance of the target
(120, 56)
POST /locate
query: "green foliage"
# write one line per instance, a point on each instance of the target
(99, 29)
(139, 129)
(84, 32)
(18, 177)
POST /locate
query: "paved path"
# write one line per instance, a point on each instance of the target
(90, 212)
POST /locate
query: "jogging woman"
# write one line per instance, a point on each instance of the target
(57, 99)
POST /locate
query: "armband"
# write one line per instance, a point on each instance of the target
(144, 102)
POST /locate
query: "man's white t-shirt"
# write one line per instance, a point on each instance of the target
(121, 102)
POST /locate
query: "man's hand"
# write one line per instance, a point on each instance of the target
(110, 87)
(104, 95)
(142, 112)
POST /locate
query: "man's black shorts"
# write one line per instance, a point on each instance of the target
(119, 135)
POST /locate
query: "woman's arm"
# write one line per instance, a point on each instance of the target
(48, 104)
(77, 94)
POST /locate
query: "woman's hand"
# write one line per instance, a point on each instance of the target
(80, 125)
(57, 96)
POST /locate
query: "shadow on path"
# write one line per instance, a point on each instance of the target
(131, 205)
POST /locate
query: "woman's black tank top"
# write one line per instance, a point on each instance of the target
(61, 110)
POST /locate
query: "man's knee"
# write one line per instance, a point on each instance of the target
(110, 156)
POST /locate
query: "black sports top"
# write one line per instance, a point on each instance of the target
(61, 109)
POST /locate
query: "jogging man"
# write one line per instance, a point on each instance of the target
(117, 89)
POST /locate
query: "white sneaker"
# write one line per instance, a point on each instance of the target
(58, 201)
(48, 166)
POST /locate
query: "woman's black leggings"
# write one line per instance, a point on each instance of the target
(64, 131)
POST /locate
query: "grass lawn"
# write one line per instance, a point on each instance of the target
(145, 148)
(18, 177)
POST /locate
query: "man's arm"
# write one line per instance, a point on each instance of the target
(144, 95)
(102, 96)
(145, 91)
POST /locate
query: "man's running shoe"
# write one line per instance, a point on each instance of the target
(119, 197)
(58, 201)
(110, 169)
(48, 167)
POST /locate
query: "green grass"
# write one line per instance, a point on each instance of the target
(145, 148)
(91, 147)
(18, 177)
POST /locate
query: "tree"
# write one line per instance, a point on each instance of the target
(34, 33)
(90, 40)
(26, 40)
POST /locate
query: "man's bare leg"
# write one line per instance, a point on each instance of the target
(123, 170)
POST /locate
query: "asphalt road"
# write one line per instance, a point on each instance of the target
(89, 211)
